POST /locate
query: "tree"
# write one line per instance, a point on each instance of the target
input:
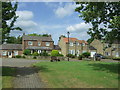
(14, 40)
(102, 16)
(8, 15)
(43, 35)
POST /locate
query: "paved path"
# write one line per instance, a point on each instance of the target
(26, 76)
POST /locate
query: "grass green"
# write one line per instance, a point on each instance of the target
(7, 77)
(83, 74)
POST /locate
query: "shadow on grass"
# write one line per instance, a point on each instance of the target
(22, 71)
(42, 68)
(8, 71)
(112, 67)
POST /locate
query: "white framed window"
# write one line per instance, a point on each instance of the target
(47, 44)
(4, 53)
(78, 43)
(71, 43)
(39, 43)
(72, 52)
(15, 53)
(30, 43)
(83, 44)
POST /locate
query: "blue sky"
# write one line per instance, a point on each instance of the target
(55, 18)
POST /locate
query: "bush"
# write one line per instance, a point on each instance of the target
(34, 57)
(70, 55)
(80, 57)
(18, 56)
(26, 52)
(86, 54)
(35, 54)
(116, 58)
(60, 55)
(23, 57)
(44, 54)
(54, 53)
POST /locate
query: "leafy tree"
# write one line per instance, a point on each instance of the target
(34, 34)
(15, 40)
(90, 40)
(102, 16)
(8, 15)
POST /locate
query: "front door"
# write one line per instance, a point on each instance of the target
(10, 54)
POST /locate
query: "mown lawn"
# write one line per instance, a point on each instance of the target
(7, 77)
(83, 74)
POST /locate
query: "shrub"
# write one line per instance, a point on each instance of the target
(44, 54)
(70, 55)
(80, 57)
(35, 54)
(23, 57)
(26, 52)
(116, 58)
(54, 53)
(86, 54)
(60, 55)
(34, 57)
(18, 56)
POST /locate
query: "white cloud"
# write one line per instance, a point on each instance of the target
(79, 30)
(67, 10)
(78, 27)
(24, 15)
(26, 23)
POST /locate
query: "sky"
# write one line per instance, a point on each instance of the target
(55, 18)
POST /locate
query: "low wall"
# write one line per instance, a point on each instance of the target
(43, 57)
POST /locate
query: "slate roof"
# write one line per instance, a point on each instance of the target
(38, 48)
(92, 48)
(56, 47)
(25, 37)
(11, 47)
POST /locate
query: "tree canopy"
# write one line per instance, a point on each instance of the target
(8, 19)
(41, 35)
(15, 40)
(104, 18)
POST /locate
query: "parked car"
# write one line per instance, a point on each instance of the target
(99, 56)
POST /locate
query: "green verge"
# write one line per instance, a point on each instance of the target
(7, 77)
(83, 74)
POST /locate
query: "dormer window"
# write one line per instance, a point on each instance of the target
(71, 43)
(39, 44)
(30, 43)
(47, 44)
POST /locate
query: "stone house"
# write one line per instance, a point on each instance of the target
(106, 49)
(33, 43)
(10, 50)
(76, 47)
